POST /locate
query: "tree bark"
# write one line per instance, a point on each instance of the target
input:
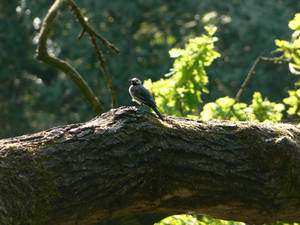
(125, 162)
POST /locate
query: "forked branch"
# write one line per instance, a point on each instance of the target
(43, 55)
(250, 75)
(86, 28)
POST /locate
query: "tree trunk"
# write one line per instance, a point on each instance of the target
(130, 163)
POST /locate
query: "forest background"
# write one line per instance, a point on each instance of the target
(35, 96)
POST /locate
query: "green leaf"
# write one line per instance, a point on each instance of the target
(176, 52)
(295, 23)
(294, 101)
(283, 44)
(211, 30)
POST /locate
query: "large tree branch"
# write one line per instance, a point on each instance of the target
(125, 162)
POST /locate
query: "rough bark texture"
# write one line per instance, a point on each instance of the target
(126, 162)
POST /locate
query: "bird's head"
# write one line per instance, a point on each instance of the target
(135, 81)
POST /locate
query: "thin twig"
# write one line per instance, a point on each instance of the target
(87, 27)
(81, 34)
(250, 75)
(93, 35)
(104, 70)
(43, 55)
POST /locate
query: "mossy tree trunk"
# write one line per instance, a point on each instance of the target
(129, 163)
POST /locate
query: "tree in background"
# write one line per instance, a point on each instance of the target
(35, 96)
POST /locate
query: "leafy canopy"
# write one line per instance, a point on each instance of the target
(260, 110)
(194, 220)
(291, 51)
(180, 94)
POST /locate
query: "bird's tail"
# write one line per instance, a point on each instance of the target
(158, 113)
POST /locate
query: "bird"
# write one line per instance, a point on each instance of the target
(142, 95)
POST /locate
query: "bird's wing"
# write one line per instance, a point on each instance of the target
(144, 95)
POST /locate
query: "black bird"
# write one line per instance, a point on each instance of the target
(142, 96)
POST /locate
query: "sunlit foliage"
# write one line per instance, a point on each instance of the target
(294, 102)
(204, 220)
(195, 220)
(291, 49)
(180, 94)
(260, 110)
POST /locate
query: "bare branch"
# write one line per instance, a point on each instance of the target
(104, 70)
(43, 55)
(81, 34)
(87, 27)
(93, 35)
(250, 75)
